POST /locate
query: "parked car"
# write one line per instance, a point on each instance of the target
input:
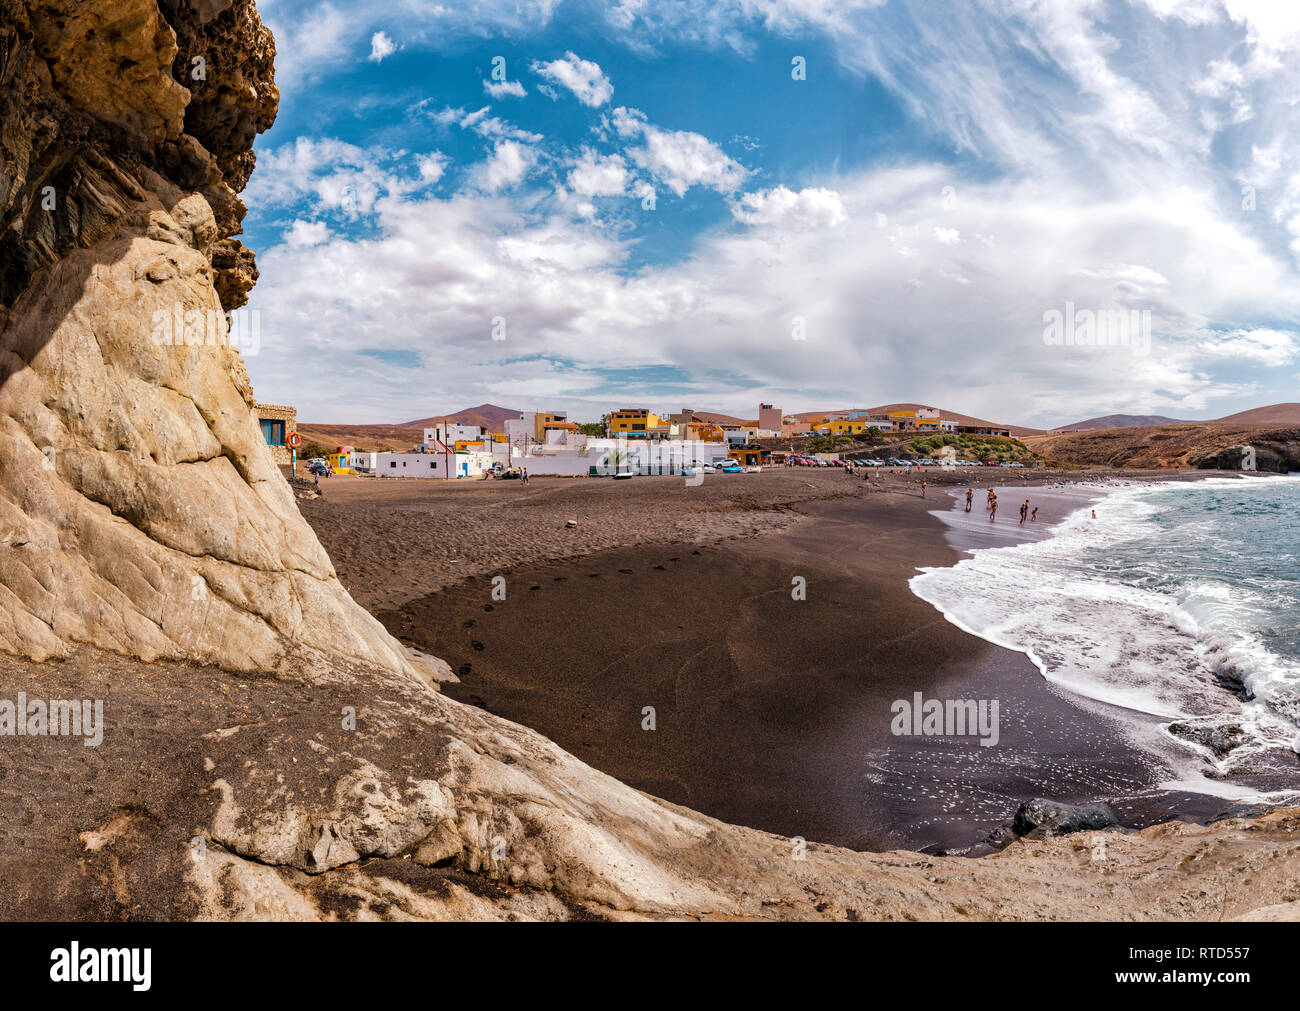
(318, 467)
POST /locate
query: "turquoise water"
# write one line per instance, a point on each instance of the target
(1180, 602)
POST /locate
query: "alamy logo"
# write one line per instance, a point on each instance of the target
(181, 327)
(1100, 328)
(56, 718)
(922, 717)
(75, 964)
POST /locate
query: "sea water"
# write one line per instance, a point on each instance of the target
(1180, 603)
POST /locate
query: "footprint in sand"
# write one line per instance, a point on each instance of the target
(627, 571)
(561, 579)
(534, 587)
(488, 607)
(660, 568)
(463, 670)
(468, 624)
(477, 645)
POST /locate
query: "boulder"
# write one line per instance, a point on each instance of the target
(1041, 818)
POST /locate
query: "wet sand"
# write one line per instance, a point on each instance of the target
(768, 711)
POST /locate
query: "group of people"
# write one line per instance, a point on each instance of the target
(991, 503)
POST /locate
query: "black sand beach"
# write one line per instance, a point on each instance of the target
(775, 712)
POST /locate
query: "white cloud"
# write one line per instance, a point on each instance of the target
(814, 207)
(303, 234)
(973, 311)
(1273, 348)
(582, 77)
(381, 46)
(504, 89)
(679, 159)
(595, 175)
(507, 166)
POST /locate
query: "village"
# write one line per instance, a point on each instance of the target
(626, 442)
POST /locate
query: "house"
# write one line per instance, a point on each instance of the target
(843, 426)
(277, 422)
(531, 426)
(750, 455)
(451, 432)
(983, 430)
(637, 423)
(444, 464)
(770, 417)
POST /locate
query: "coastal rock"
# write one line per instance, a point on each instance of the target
(1039, 818)
(140, 509)
(1219, 741)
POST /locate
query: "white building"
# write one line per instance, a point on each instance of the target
(451, 432)
(443, 465)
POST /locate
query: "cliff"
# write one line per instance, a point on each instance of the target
(151, 552)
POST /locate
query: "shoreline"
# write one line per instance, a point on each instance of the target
(771, 712)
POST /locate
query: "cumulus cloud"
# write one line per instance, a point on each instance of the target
(507, 166)
(583, 78)
(814, 207)
(876, 299)
(381, 46)
(679, 159)
(594, 175)
(303, 234)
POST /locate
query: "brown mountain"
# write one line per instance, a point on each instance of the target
(487, 416)
(962, 419)
(1122, 421)
(1201, 445)
(1274, 414)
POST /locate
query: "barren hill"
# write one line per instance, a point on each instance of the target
(1122, 421)
(1206, 445)
(487, 416)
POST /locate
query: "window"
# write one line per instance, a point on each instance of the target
(272, 431)
(392, 463)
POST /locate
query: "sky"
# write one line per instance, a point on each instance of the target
(565, 205)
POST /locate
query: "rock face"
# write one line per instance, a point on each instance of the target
(139, 510)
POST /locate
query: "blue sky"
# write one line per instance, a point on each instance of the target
(645, 207)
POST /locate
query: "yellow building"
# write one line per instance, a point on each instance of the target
(341, 462)
(636, 423)
(846, 426)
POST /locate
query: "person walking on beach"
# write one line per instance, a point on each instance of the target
(988, 501)
(1033, 515)
(1094, 514)
(1024, 512)
(524, 478)
(922, 488)
(970, 494)
(993, 510)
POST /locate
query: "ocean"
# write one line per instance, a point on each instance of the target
(1176, 612)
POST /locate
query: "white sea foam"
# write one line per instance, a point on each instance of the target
(1104, 615)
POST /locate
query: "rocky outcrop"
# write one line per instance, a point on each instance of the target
(139, 509)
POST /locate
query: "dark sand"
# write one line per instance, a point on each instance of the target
(771, 712)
